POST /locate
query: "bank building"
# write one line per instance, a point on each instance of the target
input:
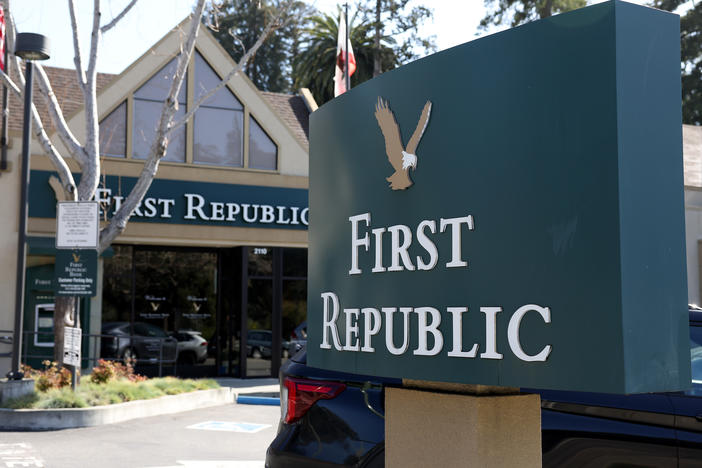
(210, 275)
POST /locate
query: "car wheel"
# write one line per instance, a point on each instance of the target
(187, 359)
(256, 353)
(129, 354)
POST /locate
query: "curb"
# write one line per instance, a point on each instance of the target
(257, 400)
(66, 418)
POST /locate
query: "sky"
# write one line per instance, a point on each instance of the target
(454, 22)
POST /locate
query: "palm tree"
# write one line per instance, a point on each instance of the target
(313, 67)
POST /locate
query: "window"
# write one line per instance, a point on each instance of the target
(263, 153)
(113, 133)
(219, 122)
(148, 103)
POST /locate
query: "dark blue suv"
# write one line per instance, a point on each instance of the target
(330, 419)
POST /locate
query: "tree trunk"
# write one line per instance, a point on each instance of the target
(376, 41)
(546, 9)
(63, 316)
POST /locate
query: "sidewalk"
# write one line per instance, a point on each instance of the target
(249, 385)
(267, 387)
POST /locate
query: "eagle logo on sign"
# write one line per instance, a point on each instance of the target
(401, 158)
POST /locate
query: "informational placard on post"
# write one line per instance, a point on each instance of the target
(77, 225)
(71, 346)
(75, 272)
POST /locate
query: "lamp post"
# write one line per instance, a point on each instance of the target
(30, 47)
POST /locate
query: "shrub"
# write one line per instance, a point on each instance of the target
(26, 401)
(114, 391)
(61, 398)
(103, 372)
(107, 371)
(51, 377)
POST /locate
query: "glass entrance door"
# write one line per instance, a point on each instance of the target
(165, 302)
(276, 307)
(176, 291)
(259, 320)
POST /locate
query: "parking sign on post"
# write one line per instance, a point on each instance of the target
(78, 229)
(71, 346)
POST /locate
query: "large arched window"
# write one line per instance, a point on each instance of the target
(222, 133)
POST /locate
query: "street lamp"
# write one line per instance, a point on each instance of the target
(28, 46)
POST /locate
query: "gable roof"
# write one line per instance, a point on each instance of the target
(68, 94)
(290, 108)
(293, 110)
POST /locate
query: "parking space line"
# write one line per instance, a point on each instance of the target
(19, 455)
(229, 426)
(215, 464)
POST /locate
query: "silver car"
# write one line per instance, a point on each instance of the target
(192, 347)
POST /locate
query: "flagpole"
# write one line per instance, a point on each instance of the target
(346, 61)
(5, 103)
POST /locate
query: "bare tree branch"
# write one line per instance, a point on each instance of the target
(160, 144)
(10, 84)
(64, 172)
(116, 19)
(94, 42)
(91, 171)
(76, 46)
(272, 26)
(75, 148)
(10, 33)
(237, 40)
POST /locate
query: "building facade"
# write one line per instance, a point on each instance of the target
(213, 263)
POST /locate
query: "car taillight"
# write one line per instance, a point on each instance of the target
(204, 343)
(301, 394)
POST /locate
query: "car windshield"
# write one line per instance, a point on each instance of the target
(146, 329)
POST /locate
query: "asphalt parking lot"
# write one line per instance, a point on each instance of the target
(228, 436)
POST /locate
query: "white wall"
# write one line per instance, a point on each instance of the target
(9, 205)
(693, 234)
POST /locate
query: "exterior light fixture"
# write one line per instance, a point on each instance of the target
(31, 46)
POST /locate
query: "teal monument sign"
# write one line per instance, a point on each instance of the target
(508, 212)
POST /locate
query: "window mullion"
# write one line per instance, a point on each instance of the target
(190, 101)
(246, 136)
(130, 126)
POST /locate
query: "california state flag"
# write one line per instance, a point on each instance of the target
(2, 39)
(340, 69)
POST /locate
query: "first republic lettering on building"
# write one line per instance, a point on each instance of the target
(362, 325)
(198, 208)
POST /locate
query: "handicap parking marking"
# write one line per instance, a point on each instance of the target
(19, 455)
(216, 464)
(230, 426)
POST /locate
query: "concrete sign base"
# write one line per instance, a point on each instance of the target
(425, 428)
